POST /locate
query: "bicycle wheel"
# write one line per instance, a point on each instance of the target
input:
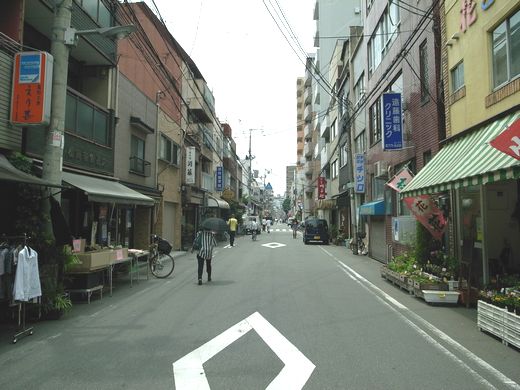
(162, 265)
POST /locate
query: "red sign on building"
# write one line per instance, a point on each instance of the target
(32, 84)
(321, 188)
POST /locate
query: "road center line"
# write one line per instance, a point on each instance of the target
(377, 292)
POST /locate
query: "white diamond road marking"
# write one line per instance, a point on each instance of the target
(188, 371)
(273, 245)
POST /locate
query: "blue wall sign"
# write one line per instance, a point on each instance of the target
(392, 122)
(359, 174)
(219, 180)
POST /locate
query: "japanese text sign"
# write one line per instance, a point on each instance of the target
(219, 179)
(190, 165)
(359, 174)
(392, 122)
(400, 180)
(426, 212)
(509, 140)
(32, 86)
(321, 187)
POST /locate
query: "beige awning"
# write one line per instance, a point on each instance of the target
(106, 191)
(219, 203)
(9, 173)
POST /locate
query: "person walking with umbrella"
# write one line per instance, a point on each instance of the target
(205, 242)
(232, 223)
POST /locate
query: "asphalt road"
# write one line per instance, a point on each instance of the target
(288, 316)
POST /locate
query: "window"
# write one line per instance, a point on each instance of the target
(375, 121)
(359, 90)
(334, 169)
(343, 155)
(506, 50)
(360, 143)
(457, 77)
(333, 131)
(427, 156)
(169, 151)
(137, 162)
(384, 34)
(423, 69)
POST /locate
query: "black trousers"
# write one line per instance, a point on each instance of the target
(200, 260)
(232, 237)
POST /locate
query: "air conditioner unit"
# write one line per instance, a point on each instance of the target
(381, 169)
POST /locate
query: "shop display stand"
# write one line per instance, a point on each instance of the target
(21, 306)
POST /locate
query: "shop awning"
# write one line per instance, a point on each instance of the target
(106, 191)
(9, 173)
(214, 202)
(373, 208)
(468, 160)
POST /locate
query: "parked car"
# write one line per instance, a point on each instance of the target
(316, 230)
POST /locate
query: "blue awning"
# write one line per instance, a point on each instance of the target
(373, 208)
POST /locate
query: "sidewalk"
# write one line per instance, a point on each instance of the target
(457, 323)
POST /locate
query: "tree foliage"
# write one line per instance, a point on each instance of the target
(286, 205)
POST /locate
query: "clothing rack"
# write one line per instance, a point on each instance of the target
(22, 329)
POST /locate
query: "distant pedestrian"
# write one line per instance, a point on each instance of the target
(294, 227)
(205, 253)
(233, 224)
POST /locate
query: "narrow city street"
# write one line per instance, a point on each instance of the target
(278, 314)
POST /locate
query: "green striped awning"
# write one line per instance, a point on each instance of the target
(468, 160)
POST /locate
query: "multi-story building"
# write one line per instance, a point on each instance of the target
(289, 179)
(477, 184)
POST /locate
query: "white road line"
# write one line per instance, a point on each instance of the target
(377, 292)
(188, 371)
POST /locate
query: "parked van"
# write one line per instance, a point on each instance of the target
(316, 230)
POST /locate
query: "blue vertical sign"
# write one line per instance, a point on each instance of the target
(392, 122)
(359, 174)
(219, 181)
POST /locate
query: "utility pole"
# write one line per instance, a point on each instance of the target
(53, 155)
(250, 157)
(351, 189)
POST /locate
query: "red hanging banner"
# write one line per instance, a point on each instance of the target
(321, 188)
(425, 210)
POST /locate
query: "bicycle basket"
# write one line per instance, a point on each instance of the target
(164, 246)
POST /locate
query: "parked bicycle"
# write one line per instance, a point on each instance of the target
(357, 246)
(161, 263)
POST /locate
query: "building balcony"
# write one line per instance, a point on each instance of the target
(307, 131)
(325, 128)
(308, 149)
(308, 168)
(93, 49)
(230, 165)
(307, 96)
(324, 155)
(89, 130)
(201, 103)
(307, 113)
(139, 166)
(308, 78)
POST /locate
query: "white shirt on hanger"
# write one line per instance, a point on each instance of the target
(27, 278)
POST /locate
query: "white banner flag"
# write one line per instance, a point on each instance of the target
(190, 165)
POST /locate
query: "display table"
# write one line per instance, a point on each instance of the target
(139, 256)
(88, 291)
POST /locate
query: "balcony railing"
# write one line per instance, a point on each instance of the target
(140, 166)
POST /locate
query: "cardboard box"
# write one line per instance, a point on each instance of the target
(118, 254)
(92, 260)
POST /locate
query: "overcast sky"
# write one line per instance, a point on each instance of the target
(250, 68)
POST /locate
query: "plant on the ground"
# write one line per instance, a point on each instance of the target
(404, 263)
